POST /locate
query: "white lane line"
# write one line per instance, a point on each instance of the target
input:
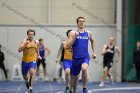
(14, 90)
(109, 89)
(17, 91)
(60, 92)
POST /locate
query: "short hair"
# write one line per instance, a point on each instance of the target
(30, 30)
(67, 33)
(40, 39)
(79, 18)
(112, 38)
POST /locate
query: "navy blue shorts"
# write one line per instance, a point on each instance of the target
(67, 64)
(107, 65)
(77, 63)
(27, 66)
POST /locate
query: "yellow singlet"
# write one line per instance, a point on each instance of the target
(30, 53)
(67, 53)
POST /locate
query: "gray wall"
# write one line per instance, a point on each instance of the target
(56, 11)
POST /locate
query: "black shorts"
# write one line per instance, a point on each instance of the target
(107, 64)
(42, 61)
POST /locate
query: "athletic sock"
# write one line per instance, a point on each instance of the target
(27, 84)
(30, 80)
(84, 89)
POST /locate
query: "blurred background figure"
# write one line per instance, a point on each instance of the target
(59, 60)
(42, 52)
(2, 66)
(136, 58)
(108, 52)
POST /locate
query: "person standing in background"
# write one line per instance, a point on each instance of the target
(136, 58)
(42, 51)
(2, 66)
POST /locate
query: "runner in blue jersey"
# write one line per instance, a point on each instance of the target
(78, 40)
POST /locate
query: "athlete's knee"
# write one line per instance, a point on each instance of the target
(68, 72)
(105, 69)
(75, 78)
(32, 73)
(84, 67)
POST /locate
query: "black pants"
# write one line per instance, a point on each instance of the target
(137, 65)
(42, 61)
(4, 70)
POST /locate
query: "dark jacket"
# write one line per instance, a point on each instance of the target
(1, 56)
(136, 55)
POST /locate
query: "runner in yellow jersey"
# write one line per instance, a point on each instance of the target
(67, 62)
(29, 47)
